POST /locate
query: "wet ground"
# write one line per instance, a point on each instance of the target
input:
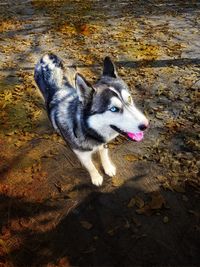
(148, 215)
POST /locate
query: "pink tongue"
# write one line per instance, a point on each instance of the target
(136, 136)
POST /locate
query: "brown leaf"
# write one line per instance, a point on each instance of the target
(64, 262)
(146, 210)
(167, 186)
(157, 201)
(3, 246)
(73, 194)
(136, 222)
(139, 202)
(131, 203)
(84, 29)
(58, 186)
(178, 188)
(113, 230)
(87, 225)
(161, 178)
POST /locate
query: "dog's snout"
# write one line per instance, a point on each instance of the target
(143, 126)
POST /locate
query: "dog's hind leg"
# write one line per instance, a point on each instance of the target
(86, 160)
(108, 166)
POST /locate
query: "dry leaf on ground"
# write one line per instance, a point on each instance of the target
(87, 225)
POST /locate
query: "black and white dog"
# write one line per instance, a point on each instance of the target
(89, 116)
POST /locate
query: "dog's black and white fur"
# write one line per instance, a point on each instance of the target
(88, 116)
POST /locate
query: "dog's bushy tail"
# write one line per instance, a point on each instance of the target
(49, 75)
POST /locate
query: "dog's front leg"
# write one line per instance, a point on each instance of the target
(108, 166)
(86, 160)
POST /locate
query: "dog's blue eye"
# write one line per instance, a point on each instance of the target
(114, 109)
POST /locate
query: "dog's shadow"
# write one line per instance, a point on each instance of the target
(99, 230)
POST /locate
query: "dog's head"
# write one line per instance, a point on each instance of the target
(109, 106)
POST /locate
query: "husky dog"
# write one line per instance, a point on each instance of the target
(89, 116)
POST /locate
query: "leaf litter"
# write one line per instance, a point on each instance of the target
(169, 95)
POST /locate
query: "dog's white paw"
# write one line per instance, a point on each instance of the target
(110, 170)
(97, 179)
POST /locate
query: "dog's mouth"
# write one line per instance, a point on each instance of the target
(131, 136)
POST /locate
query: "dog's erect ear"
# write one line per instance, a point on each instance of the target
(109, 68)
(84, 89)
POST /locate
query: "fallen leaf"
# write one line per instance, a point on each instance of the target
(73, 194)
(131, 203)
(116, 181)
(166, 186)
(161, 178)
(130, 157)
(157, 201)
(146, 210)
(136, 222)
(58, 186)
(178, 188)
(139, 202)
(63, 262)
(159, 115)
(84, 29)
(113, 230)
(166, 219)
(87, 225)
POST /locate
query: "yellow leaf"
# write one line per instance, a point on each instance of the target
(116, 181)
(130, 157)
(8, 96)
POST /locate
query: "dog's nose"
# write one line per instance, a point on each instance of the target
(143, 127)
